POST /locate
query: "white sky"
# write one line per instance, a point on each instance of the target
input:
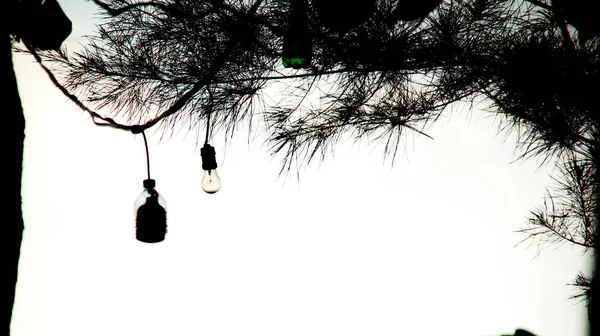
(356, 247)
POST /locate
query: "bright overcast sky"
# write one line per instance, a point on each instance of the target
(355, 247)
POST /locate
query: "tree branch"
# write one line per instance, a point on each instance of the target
(118, 11)
(218, 63)
(540, 4)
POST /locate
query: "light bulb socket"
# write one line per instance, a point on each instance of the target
(209, 160)
(149, 184)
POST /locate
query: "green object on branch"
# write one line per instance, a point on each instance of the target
(297, 41)
(296, 62)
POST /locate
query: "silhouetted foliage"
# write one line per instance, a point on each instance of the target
(379, 69)
(408, 10)
(568, 213)
(341, 16)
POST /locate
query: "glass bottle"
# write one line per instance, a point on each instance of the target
(151, 214)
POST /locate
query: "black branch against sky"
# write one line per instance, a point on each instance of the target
(174, 62)
(535, 63)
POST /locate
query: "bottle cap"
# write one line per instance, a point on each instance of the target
(149, 184)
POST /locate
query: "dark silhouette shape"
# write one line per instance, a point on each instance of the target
(297, 41)
(151, 220)
(582, 14)
(593, 307)
(209, 158)
(460, 49)
(408, 10)
(341, 16)
(522, 332)
(12, 167)
(40, 24)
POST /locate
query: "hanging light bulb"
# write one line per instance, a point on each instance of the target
(151, 215)
(211, 183)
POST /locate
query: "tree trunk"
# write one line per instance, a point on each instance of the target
(12, 165)
(592, 305)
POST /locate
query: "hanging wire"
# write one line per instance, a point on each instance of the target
(219, 61)
(210, 108)
(147, 154)
(207, 128)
